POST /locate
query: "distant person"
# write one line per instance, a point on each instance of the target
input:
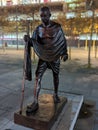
(4, 46)
(49, 44)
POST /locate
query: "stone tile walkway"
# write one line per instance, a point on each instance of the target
(74, 78)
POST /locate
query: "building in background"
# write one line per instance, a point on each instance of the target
(73, 9)
(15, 2)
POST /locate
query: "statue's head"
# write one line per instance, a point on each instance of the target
(45, 14)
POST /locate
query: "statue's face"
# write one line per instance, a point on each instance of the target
(45, 16)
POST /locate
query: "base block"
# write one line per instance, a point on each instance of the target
(46, 115)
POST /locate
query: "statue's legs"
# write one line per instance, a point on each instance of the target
(54, 66)
(56, 84)
(42, 66)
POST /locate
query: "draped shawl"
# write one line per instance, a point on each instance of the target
(49, 43)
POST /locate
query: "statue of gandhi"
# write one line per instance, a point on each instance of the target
(50, 45)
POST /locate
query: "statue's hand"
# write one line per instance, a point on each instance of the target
(26, 38)
(64, 57)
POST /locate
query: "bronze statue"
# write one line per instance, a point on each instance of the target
(49, 44)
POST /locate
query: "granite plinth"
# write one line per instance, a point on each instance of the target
(46, 115)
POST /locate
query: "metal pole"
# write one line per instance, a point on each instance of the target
(96, 45)
(16, 29)
(90, 43)
(2, 38)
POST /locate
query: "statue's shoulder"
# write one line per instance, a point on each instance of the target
(41, 25)
(55, 24)
(38, 27)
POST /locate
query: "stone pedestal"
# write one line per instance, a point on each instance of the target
(46, 115)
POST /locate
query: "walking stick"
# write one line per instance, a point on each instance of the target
(23, 81)
(24, 70)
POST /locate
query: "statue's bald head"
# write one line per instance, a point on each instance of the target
(45, 8)
(45, 15)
